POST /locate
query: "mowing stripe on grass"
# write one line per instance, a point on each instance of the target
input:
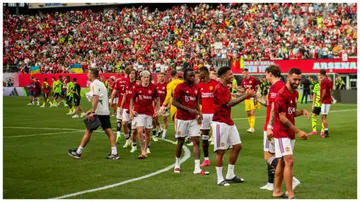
(42, 134)
(186, 156)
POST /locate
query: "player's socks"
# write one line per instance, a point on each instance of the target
(197, 165)
(249, 121)
(322, 127)
(271, 174)
(313, 123)
(252, 121)
(205, 145)
(230, 172)
(114, 150)
(219, 174)
(164, 134)
(154, 131)
(326, 132)
(273, 162)
(177, 162)
(79, 150)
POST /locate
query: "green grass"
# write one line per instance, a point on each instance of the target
(38, 167)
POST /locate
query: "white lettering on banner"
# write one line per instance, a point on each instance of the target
(257, 66)
(335, 65)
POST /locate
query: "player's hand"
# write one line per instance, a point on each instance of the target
(269, 133)
(302, 135)
(193, 111)
(250, 93)
(155, 113)
(199, 118)
(91, 116)
(306, 113)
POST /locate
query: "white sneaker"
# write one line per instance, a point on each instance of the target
(38, 104)
(268, 186)
(83, 115)
(148, 151)
(73, 112)
(42, 106)
(75, 116)
(66, 105)
(51, 106)
(334, 101)
(127, 144)
(251, 130)
(69, 113)
(190, 144)
(30, 104)
(155, 138)
(133, 149)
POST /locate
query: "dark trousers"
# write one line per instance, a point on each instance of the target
(305, 94)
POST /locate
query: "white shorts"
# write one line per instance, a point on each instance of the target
(283, 147)
(225, 135)
(143, 120)
(206, 122)
(187, 128)
(125, 115)
(325, 108)
(269, 146)
(115, 100)
(118, 115)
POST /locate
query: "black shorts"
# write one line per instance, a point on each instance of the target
(46, 95)
(57, 95)
(105, 121)
(37, 94)
(76, 100)
(316, 110)
(69, 99)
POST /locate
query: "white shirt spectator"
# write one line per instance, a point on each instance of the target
(98, 88)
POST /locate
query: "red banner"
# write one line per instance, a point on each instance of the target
(306, 66)
(24, 79)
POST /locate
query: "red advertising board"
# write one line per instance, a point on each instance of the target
(306, 66)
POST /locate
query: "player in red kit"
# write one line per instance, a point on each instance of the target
(161, 90)
(111, 86)
(206, 89)
(31, 87)
(188, 116)
(142, 110)
(326, 86)
(284, 130)
(124, 112)
(249, 82)
(46, 90)
(226, 133)
(37, 91)
(273, 75)
(117, 94)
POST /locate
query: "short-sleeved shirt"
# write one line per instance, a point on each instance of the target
(46, 87)
(207, 96)
(143, 98)
(129, 89)
(250, 83)
(274, 89)
(327, 85)
(98, 88)
(222, 112)
(57, 86)
(120, 86)
(69, 87)
(187, 96)
(161, 90)
(285, 101)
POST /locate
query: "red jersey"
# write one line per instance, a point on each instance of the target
(250, 83)
(46, 87)
(143, 98)
(187, 96)
(129, 89)
(161, 90)
(274, 89)
(207, 96)
(120, 84)
(285, 101)
(222, 111)
(37, 87)
(327, 85)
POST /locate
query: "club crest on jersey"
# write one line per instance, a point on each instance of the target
(139, 91)
(196, 92)
(187, 91)
(150, 91)
(179, 132)
(287, 149)
(211, 87)
(250, 81)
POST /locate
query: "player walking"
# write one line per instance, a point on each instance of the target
(161, 89)
(316, 108)
(46, 89)
(100, 107)
(76, 92)
(325, 100)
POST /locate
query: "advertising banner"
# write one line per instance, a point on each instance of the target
(10, 79)
(306, 66)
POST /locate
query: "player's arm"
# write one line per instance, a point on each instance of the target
(291, 126)
(262, 101)
(323, 92)
(302, 112)
(248, 93)
(177, 104)
(241, 89)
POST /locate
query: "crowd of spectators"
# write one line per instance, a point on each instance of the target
(179, 37)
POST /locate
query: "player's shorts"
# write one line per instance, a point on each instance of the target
(31, 93)
(143, 120)
(46, 95)
(249, 105)
(116, 100)
(206, 122)
(185, 128)
(37, 94)
(225, 135)
(283, 147)
(63, 92)
(316, 110)
(125, 115)
(105, 121)
(57, 95)
(269, 146)
(172, 112)
(69, 100)
(325, 108)
(118, 115)
(76, 100)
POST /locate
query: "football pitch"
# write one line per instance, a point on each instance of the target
(36, 164)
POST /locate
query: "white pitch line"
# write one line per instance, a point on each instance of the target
(43, 134)
(186, 156)
(18, 127)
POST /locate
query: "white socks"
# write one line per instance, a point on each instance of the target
(177, 162)
(230, 173)
(206, 158)
(113, 150)
(79, 150)
(197, 164)
(219, 174)
(118, 133)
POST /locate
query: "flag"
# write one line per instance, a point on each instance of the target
(76, 68)
(34, 69)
